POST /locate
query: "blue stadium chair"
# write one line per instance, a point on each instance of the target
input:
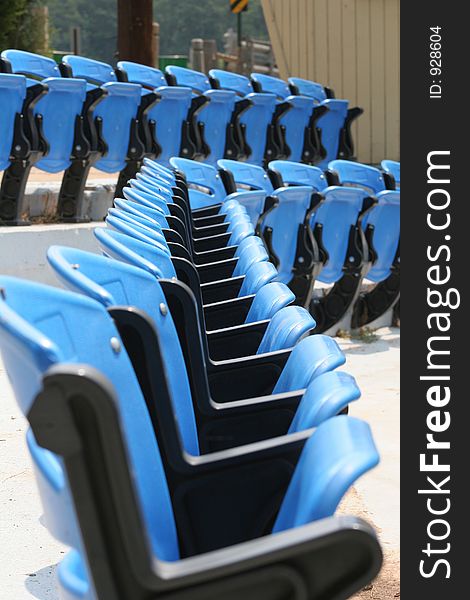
(123, 114)
(299, 123)
(382, 230)
(284, 173)
(391, 168)
(12, 95)
(335, 125)
(260, 124)
(215, 119)
(337, 226)
(169, 115)
(150, 482)
(284, 226)
(64, 110)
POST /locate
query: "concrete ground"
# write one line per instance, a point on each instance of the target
(28, 554)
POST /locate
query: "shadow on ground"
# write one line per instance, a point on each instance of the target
(42, 584)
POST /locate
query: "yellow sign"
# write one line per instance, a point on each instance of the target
(236, 6)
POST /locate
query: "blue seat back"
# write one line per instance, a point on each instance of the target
(216, 116)
(295, 173)
(129, 249)
(257, 118)
(326, 396)
(42, 326)
(140, 225)
(258, 275)
(248, 257)
(117, 109)
(286, 328)
(284, 221)
(169, 112)
(271, 84)
(114, 283)
(268, 301)
(142, 194)
(197, 81)
(338, 452)
(153, 215)
(12, 95)
(306, 87)
(310, 358)
(239, 84)
(385, 217)
(339, 211)
(248, 176)
(358, 175)
(295, 120)
(330, 125)
(392, 167)
(202, 175)
(59, 107)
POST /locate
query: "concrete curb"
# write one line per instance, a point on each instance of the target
(23, 249)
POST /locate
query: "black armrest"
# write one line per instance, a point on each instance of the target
(225, 289)
(210, 230)
(234, 342)
(207, 211)
(228, 313)
(246, 377)
(214, 242)
(214, 255)
(210, 272)
(210, 220)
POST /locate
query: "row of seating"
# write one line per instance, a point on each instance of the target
(336, 228)
(83, 113)
(190, 437)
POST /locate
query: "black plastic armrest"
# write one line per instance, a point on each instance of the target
(217, 219)
(216, 271)
(210, 230)
(228, 313)
(214, 242)
(239, 341)
(246, 377)
(207, 211)
(214, 255)
(225, 289)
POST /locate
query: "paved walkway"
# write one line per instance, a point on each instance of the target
(28, 554)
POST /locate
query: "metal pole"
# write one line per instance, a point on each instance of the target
(239, 29)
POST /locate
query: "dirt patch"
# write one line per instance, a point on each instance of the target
(387, 584)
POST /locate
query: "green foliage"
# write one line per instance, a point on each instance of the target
(180, 21)
(20, 26)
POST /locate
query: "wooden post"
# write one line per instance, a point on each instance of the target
(135, 31)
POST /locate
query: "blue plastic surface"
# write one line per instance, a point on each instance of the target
(169, 113)
(12, 95)
(338, 212)
(285, 220)
(59, 107)
(248, 176)
(385, 217)
(286, 328)
(258, 274)
(334, 457)
(392, 167)
(325, 397)
(117, 109)
(358, 175)
(268, 301)
(311, 357)
(295, 120)
(114, 283)
(41, 326)
(295, 173)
